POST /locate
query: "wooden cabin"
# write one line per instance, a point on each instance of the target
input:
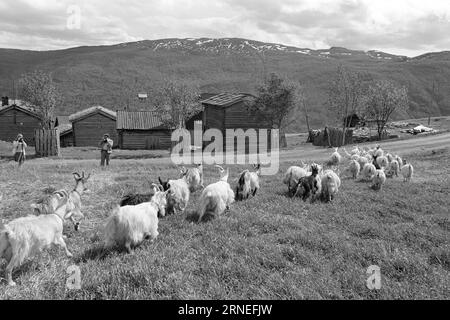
(142, 130)
(17, 118)
(233, 111)
(89, 126)
(65, 136)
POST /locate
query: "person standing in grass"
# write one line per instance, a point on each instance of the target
(105, 145)
(19, 146)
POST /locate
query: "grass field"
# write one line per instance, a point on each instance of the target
(270, 247)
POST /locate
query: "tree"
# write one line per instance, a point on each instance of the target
(177, 101)
(39, 91)
(345, 96)
(276, 99)
(304, 101)
(383, 99)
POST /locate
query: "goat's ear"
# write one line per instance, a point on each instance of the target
(155, 188)
(86, 178)
(76, 175)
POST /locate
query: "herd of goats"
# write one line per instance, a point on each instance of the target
(136, 217)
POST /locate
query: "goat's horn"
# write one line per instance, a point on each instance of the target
(220, 168)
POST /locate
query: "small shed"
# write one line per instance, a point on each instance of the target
(352, 121)
(233, 111)
(89, 126)
(17, 118)
(142, 130)
(65, 135)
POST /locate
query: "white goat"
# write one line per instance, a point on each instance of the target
(393, 169)
(363, 161)
(399, 160)
(330, 185)
(293, 175)
(248, 183)
(378, 152)
(129, 226)
(407, 172)
(378, 180)
(25, 237)
(382, 162)
(335, 158)
(178, 196)
(216, 197)
(390, 157)
(194, 177)
(354, 168)
(368, 171)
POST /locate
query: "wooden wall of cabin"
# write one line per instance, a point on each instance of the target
(145, 139)
(66, 140)
(90, 130)
(240, 116)
(13, 122)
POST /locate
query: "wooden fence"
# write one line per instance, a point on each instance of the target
(334, 138)
(47, 142)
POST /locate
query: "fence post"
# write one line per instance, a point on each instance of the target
(47, 142)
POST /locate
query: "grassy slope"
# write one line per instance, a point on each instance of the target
(267, 247)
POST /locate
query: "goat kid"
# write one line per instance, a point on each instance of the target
(309, 185)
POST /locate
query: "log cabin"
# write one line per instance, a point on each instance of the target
(89, 126)
(16, 117)
(231, 111)
(142, 130)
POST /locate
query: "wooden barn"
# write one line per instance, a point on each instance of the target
(89, 126)
(142, 130)
(232, 111)
(17, 118)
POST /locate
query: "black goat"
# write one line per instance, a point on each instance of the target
(307, 186)
(375, 163)
(133, 199)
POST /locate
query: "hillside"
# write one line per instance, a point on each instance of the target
(110, 75)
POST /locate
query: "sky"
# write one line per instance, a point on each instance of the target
(404, 27)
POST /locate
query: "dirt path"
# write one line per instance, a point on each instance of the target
(400, 147)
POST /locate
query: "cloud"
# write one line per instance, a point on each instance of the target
(408, 27)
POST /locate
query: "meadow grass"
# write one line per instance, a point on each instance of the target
(269, 247)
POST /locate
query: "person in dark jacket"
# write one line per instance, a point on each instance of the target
(105, 145)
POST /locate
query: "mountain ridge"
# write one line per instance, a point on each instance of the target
(109, 74)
